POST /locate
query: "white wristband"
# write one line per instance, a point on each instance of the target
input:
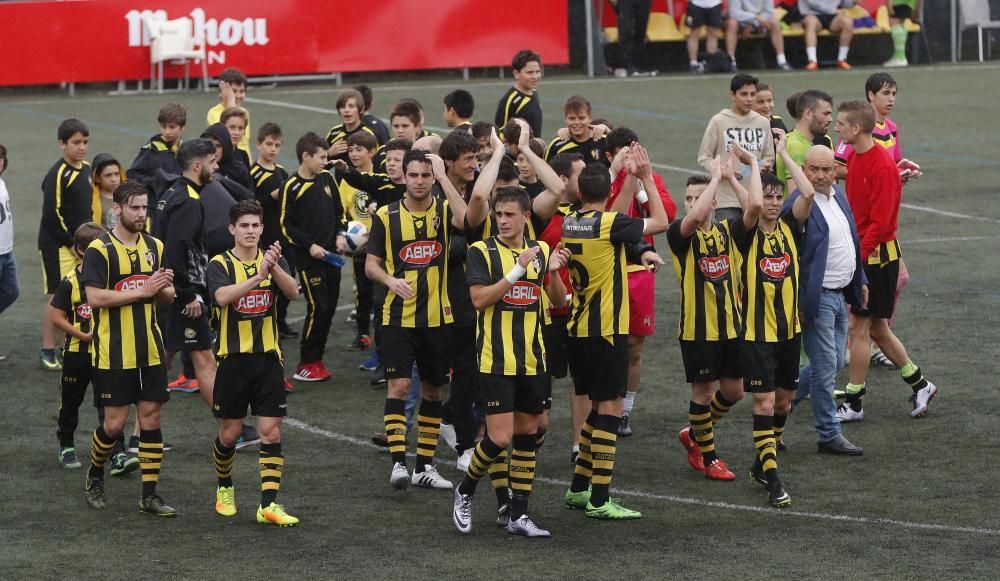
(516, 273)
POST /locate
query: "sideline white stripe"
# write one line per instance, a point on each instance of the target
(949, 214)
(695, 501)
(952, 239)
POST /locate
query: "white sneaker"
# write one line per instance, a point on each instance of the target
(922, 399)
(464, 459)
(462, 513)
(526, 527)
(894, 62)
(430, 478)
(846, 413)
(448, 435)
(399, 478)
(621, 73)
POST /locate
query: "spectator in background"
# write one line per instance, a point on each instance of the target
(633, 18)
(232, 92)
(459, 106)
(8, 269)
(820, 14)
(748, 17)
(899, 11)
(703, 14)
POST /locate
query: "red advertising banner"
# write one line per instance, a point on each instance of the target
(106, 40)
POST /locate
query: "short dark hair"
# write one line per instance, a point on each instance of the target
(859, 113)
(562, 164)
(769, 181)
(456, 144)
(268, 129)
(418, 155)
(523, 57)
(309, 143)
(193, 149)
(877, 82)
(810, 99)
(507, 172)
(130, 189)
(86, 233)
(366, 95)
(481, 129)
(244, 208)
(348, 94)
(3, 156)
(233, 76)
(792, 104)
(70, 127)
(172, 113)
(461, 101)
(398, 144)
(515, 194)
(512, 131)
(406, 108)
(698, 179)
(741, 80)
(595, 183)
(363, 139)
(620, 137)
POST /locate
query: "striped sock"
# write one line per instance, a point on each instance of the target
(499, 477)
(100, 450)
(700, 416)
(720, 405)
(483, 457)
(763, 441)
(428, 432)
(271, 465)
(522, 473)
(539, 438)
(224, 460)
(150, 459)
(602, 452)
(779, 426)
(584, 469)
(913, 377)
(395, 429)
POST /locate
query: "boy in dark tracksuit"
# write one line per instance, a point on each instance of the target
(159, 155)
(312, 220)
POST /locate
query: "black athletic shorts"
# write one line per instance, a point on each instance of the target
(556, 339)
(401, 347)
(902, 11)
(706, 361)
(825, 20)
(256, 380)
(118, 387)
(698, 16)
(51, 270)
(501, 394)
(767, 366)
(599, 367)
(882, 281)
(181, 333)
(792, 14)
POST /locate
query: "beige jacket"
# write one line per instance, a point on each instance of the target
(752, 131)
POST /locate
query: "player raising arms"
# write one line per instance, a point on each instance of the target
(242, 284)
(506, 274)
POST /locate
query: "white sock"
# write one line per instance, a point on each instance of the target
(781, 59)
(695, 63)
(576, 448)
(811, 53)
(629, 402)
(842, 53)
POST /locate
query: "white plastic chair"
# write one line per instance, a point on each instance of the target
(174, 41)
(975, 14)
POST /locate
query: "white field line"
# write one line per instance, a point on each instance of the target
(842, 518)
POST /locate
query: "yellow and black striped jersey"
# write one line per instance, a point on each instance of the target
(592, 150)
(71, 298)
(509, 332)
(769, 279)
(514, 103)
(597, 270)
(414, 246)
(128, 336)
(532, 228)
(250, 325)
(67, 202)
(340, 133)
(704, 266)
(355, 202)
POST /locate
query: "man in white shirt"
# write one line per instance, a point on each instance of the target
(8, 270)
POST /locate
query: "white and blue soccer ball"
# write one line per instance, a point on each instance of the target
(357, 235)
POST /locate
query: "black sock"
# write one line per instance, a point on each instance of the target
(271, 465)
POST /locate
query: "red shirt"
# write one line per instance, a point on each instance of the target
(637, 210)
(552, 235)
(874, 191)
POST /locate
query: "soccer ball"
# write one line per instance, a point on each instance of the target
(357, 235)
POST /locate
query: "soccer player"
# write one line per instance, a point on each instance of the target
(767, 239)
(232, 92)
(160, 153)
(598, 327)
(588, 141)
(312, 219)
(242, 283)
(742, 125)
(526, 176)
(107, 174)
(407, 253)
(820, 14)
(351, 108)
(66, 204)
(522, 99)
(459, 107)
(704, 15)
(874, 189)
(815, 114)
(236, 119)
(359, 206)
(641, 280)
(746, 17)
(709, 325)
(506, 274)
(123, 274)
(374, 123)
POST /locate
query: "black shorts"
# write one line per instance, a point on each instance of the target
(767, 366)
(698, 16)
(120, 387)
(181, 333)
(401, 347)
(792, 14)
(706, 361)
(256, 380)
(501, 394)
(556, 339)
(825, 20)
(902, 11)
(881, 290)
(51, 270)
(77, 372)
(599, 367)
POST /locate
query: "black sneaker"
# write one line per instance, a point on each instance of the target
(285, 331)
(122, 464)
(155, 506)
(503, 511)
(378, 378)
(781, 445)
(778, 497)
(248, 437)
(360, 343)
(757, 473)
(624, 430)
(93, 491)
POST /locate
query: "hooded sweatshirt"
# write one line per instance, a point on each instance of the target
(752, 131)
(230, 165)
(101, 207)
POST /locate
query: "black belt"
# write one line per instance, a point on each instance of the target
(833, 290)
